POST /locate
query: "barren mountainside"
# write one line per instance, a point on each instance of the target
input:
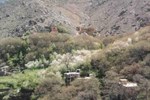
(107, 16)
(121, 16)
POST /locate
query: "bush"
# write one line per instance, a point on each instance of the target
(133, 69)
(18, 83)
(139, 50)
(147, 60)
(86, 42)
(10, 45)
(13, 51)
(37, 64)
(108, 40)
(87, 89)
(62, 29)
(49, 86)
(79, 90)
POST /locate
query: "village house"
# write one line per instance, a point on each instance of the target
(70, 76)
(127, 84)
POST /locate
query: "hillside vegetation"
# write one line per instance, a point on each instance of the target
(35, 65)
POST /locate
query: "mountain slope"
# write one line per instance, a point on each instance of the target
(107, 16)
(121, 16)
(19, 16)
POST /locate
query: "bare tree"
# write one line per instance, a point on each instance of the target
(67, 59)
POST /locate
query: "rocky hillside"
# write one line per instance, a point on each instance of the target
(121, 16)
(107, 16)
(116, 16)
(20, 16)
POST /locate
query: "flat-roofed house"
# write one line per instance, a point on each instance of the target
(126, 83)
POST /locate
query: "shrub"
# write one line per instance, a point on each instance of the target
(108, 40)
(86, 42)
(79, 90)
(133, 69)
(147, 60)
(13, 51)
(49, 86)
(10, 45)
(139, 50)
(18, 82)
(145, 72)
(87, 89)
(62, 29)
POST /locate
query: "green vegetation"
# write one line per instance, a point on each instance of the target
(16, 52)
(17, 82)
(36, 65)
(62, 29)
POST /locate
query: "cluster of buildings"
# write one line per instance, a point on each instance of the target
(70, 76)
